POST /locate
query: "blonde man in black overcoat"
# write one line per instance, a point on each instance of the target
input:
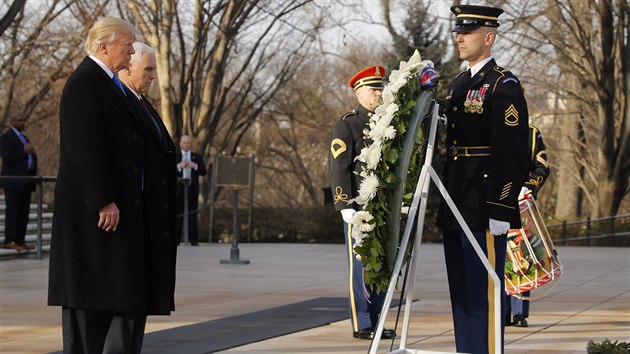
(104, 261)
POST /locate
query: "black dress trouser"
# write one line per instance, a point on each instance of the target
(97, 331)
(18, 204)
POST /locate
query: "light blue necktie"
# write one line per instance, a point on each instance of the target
(24, 142)
(119, 84)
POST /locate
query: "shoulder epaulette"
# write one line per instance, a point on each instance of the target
(351, 113)
(460, 73)
(504, 76)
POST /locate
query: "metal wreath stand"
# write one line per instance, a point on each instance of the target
(418, 208)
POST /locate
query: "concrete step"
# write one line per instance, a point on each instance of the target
(33, 206)
(32, 216)
(32, 226)
(32, 237)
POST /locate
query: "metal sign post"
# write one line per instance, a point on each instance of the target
(235, 172)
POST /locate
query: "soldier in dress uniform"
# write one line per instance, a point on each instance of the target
(538, 173)
(348, 138)
(487, 163)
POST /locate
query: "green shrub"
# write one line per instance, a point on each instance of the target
(608, 347)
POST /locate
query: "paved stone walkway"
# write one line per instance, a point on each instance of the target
(591, 301)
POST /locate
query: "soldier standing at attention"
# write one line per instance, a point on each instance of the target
(538, 173)
(348, 138)
(487, 164)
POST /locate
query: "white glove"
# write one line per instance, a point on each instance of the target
(498, 227)
(524, 190)
(347, 215)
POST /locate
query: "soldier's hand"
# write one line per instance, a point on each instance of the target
(347, 215)
(498, 227)
(524, 191)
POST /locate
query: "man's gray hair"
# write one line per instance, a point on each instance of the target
(140, 49)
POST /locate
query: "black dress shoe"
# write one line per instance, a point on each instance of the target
(365, 333)
(520, 321)
(388, 334)
(508, 321)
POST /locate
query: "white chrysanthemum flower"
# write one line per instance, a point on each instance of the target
(394, 75)
(401, 81)
(404, 210)
(391, 109)
(357, 256)
(373, 155)
(367, 188)
(377, 133)
(361, 221)
(414, 62)
(388, 97)
(389, 133)
(363, 155)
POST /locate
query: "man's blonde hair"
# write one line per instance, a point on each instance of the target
(106, 30)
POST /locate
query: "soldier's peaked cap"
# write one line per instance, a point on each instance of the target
(371, 77)
(470, 17)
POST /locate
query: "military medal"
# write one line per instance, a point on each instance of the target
(469, 102)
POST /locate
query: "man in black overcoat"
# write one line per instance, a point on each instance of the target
(485, 169)
(160, 175)
(18, 159)
(104, 259)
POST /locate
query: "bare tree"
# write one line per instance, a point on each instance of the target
(12, 12)
(584, 48)
(221, 62)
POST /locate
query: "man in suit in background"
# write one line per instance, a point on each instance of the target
(108, 269)
(18, 159)
(189, 165)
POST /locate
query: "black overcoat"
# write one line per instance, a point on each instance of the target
(102, 160)
(160, 180)
(484, 187)
(15, 161)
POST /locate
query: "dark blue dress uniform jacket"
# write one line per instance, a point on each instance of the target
(539, 164)
(484, 187)
(348, 139)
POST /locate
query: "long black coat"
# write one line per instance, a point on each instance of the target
(484, 187)
(15, 161)
(102, 160)
(160, 207)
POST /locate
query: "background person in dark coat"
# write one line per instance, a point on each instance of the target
(487, 163)
(190, 165)
(103, 260)
(160, 176)
(538, 173)
(18, 159)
